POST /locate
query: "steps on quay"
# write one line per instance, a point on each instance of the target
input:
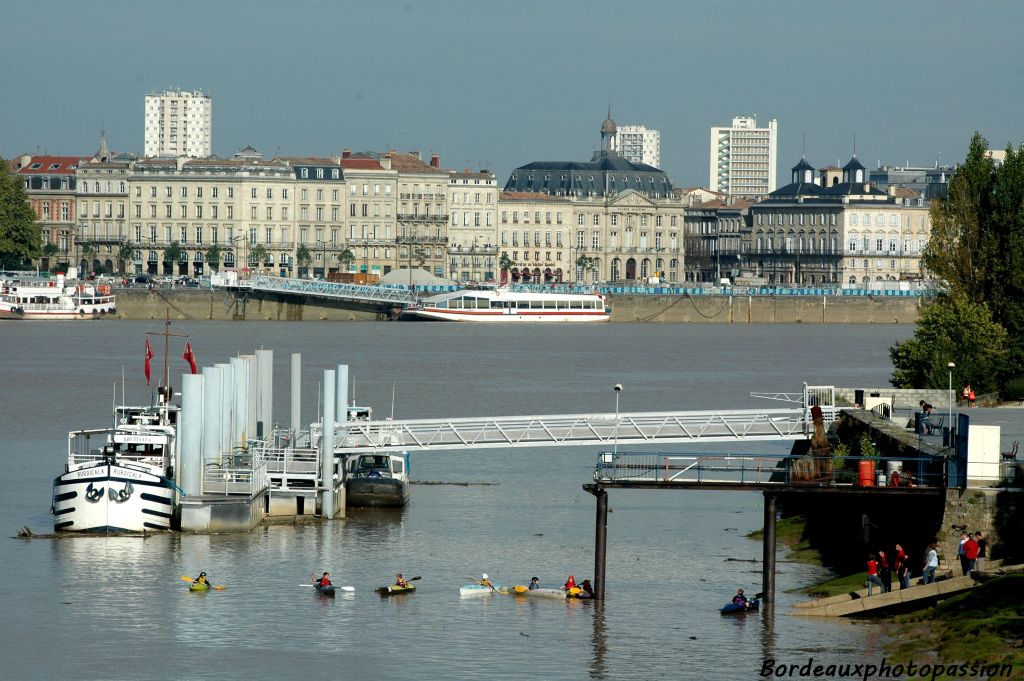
(859, 602)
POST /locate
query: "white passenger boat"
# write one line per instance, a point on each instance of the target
(505, 305)
(119, 479)
(54, 299)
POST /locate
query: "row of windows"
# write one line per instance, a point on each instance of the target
(466, 218)
(812, 218)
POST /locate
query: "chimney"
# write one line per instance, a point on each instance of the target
(385, 162)
(435, 161)
(346, 153)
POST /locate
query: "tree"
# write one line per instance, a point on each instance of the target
(505, 262)
(587, 264)
(20, 236)
(303, 257)
(258, 255)
(49, 251)
(125, 254)
(952, 329)
(212, 256)
(172, 254)
(346, 258)
(420, 255)
(88, 251)
(976, 249)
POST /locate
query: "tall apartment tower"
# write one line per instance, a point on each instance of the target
(179, 123)
(639, 144)
(743, 158)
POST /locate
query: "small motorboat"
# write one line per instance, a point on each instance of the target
(739, 608)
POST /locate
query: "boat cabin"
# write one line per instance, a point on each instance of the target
(377, 466)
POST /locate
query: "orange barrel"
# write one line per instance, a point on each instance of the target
(866, 473)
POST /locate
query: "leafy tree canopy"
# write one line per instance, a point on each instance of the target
(172, 253)
(976, 251)
(20, 236)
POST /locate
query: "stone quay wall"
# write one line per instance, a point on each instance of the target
(226, 305)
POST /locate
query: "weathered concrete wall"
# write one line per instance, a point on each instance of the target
(206, 304)
(764, 309)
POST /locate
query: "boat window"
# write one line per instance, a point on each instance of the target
(549, 305)
(577, 304)
(536, 305)
(495, 304)
(442, 305)
(376, 462)
(455, 303)
(397, 466)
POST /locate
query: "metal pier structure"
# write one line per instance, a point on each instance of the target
(374, 295)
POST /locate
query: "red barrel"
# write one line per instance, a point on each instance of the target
(866, 473)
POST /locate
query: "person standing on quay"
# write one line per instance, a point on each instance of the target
(962, 554)
(965, 395)
(931, 562)
(873, 575)
(982, 544)
(971, 553)
(885, 572)
(902, 567)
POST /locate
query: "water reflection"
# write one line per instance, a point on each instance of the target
(598, 642)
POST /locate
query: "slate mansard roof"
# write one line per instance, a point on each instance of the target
(606, 174)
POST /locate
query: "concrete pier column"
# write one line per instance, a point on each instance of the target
(296, 420)
(265, 406)
(327, 448)
(227, 405)
(600, 541)
(212, 411)
(341, 405)
(240, 404)
(252, 396)
(191, 427)
(768, 555)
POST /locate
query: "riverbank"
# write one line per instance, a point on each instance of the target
(205, 304)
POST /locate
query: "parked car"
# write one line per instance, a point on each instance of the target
(143, 279)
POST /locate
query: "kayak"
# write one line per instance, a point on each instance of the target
(731, 608)
(394, 589)
(199, 587)
(547, 593)
(479, 590)
(325, 590)
(581, 594)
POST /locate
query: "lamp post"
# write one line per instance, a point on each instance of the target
(618, 389)
(243, 239)
(951, 366)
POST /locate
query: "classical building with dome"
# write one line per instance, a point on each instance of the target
(833, 227)
(616, 220)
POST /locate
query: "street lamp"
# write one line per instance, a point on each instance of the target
(618, 389)
(244, 240)
(950, 366)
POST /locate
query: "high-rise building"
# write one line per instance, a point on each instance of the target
(639, 144)
(179, 123)
(743, 158)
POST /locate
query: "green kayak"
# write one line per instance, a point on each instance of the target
(394, 589)
(199, 587)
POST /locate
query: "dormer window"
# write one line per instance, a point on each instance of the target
(808, 176)
(860, 176)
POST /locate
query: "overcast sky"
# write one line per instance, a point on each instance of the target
(499, 84)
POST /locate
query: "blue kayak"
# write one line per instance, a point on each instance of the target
(736, 608)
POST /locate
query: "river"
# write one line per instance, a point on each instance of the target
(115, 608)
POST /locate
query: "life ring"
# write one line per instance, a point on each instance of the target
(103, 312)
(81, 311)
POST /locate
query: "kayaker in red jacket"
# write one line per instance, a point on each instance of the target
(570, 583)
(325, 580)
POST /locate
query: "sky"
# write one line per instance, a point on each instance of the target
(497, 84)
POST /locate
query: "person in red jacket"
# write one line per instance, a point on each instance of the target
(902, 567)
(971, 550)
(884, 572)
(570, 583)
(873, 575)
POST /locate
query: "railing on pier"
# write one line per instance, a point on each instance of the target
(763, 471)
(242, 473)
(289, 468)
(333, 291)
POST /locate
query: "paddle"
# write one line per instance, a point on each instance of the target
(491, 586)
(186, 578)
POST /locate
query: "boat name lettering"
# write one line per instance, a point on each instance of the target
(140, 439)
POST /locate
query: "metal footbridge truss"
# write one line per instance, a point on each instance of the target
(333, 291)
(573, 429)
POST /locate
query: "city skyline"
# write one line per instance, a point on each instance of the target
(493, 87)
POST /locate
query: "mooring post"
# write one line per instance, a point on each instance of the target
(600, 541)
(768, 556)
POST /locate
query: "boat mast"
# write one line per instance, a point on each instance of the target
(164, 391)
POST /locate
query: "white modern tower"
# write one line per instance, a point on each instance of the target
(639, 144)
(743, 158)
(179, 123)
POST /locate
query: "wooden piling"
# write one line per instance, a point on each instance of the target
(768, 549)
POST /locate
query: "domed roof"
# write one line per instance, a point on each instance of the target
(608, 127)
(854, 164)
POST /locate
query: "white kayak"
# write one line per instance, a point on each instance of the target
(478, 590)
(546, 593)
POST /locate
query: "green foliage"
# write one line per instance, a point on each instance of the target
(212, 256)
(977, 250)
(125, 254)
(258, 255)
(303, 256)
(1014, 389)
(840, 451)
(952, 329)
(347, 257)
(866, 446)
(20, 236)
(505, 262)
(172, 253)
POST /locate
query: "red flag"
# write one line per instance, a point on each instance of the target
(149, 356)
(190, 357)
